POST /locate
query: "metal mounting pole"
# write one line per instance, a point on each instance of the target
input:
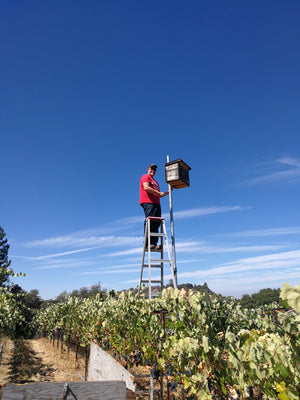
(172, 232)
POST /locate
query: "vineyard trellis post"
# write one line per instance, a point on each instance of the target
(61, 341)
(87, 354)
(1, 351)
(68, 345)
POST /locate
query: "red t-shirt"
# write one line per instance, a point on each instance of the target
(146, 197)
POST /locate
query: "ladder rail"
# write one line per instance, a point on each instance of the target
(143, 259)
(171, 263)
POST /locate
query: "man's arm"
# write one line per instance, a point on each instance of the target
(149, 189)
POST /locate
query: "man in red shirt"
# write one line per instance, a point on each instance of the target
(150, 195)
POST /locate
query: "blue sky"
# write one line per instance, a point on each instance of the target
(92, 92)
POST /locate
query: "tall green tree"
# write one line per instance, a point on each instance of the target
(4, 262)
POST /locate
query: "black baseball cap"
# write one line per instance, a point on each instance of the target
(152, 166)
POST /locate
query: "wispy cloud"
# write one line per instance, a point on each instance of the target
(202, 247)
(95, 241)
(267, 265)
(110, 271)
(60, 264)
(66, 253)
(265, 232)
(293, 162)
(200, 212)
(285, 169)
(94, 237)
(238, 277)
(119, 267)
(283, 260)
(251, 283)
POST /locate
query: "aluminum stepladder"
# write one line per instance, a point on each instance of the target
(157, 263)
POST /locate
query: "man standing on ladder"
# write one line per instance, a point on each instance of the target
(150, 195)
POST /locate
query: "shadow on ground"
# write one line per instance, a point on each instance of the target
(25, 366)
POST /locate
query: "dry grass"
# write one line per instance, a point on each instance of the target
(25, 361)
(38, 360)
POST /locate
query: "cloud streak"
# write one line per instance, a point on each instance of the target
(265, 232)
(200, 212)
(234, 277)
(285, 169)
(93, 238)
(202, 247)
(274, 261)
(95, 241)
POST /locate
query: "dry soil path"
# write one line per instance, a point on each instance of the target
(25, 361)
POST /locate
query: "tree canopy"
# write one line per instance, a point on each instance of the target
(4, 262)
(83, 293)
(263, 297)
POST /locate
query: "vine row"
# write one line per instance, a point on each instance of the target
(216, 349)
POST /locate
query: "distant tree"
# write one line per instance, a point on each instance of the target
(32, 299)
(170, 283)
(4, 262)
(83, 293)
(262, 298)
(29, 303)
(186, 286)
(47, 303)
(61, 298)
(266, 296)
(15, 288)
(247, 301)
(95, 289)
(74, 293)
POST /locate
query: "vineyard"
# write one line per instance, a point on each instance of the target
(211, 346)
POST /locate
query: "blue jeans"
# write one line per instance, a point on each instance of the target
(152, 210)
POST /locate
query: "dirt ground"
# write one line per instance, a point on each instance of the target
(38, 360)
(25, 361)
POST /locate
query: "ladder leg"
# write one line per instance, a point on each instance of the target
(162, 256)
(143, 261)
(169, 255)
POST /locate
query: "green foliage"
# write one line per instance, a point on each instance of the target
(17, 308)
(4, 262)
(83, 293)
(5, 271)
(262, 298)
(292, 296)
(213, 347)
(10, 313)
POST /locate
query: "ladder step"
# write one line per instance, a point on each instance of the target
(152, 281)
(162, 260)
(154, 250)
(148, 391)
(152, 266)
(158, 234)
(155, 294)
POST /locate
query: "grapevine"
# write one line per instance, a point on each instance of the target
(10, 313)
(214, 348)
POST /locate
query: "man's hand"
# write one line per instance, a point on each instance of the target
(149, 189)
(163, 194)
